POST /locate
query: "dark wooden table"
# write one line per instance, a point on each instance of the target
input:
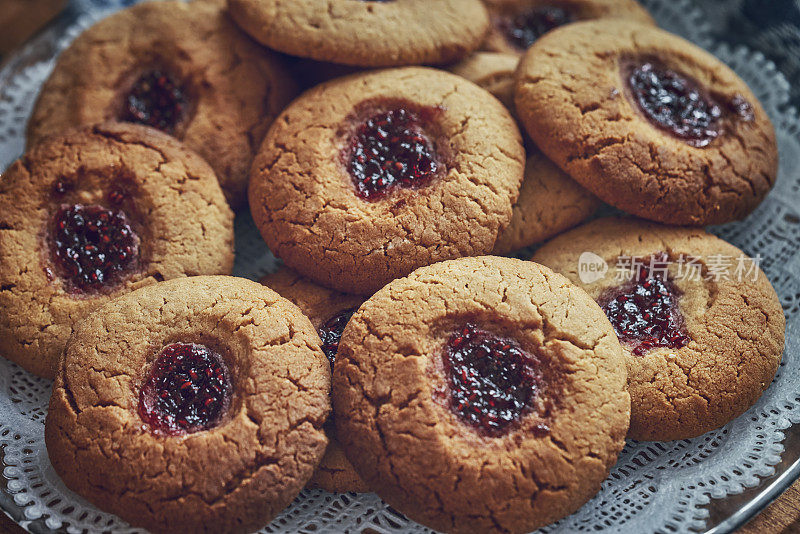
(781, 517)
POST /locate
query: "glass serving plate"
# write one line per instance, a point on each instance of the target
(713, 483)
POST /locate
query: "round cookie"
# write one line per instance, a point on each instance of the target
(492, 71)
(648, 122)
(517, 24)
(91, 215)
(366, 33)
(481, 394)
(365, 178)
(184, 68)
(549, 202)
(329, 312)
(715, 332)
(228, 455)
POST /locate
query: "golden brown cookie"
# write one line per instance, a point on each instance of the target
(549, 202)
(492, 71)
(517, 24)
(93, 214)
(701, 327)
(648, 122)
(365, 178)
(481, 395)
(371, 33)
(194, 405)
(329, 312)
(183, 68)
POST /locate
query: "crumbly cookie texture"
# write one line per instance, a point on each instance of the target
(306, 205)
(735, 325)
(232, 478)
(493, 71)
(549, 202)
(590, 125)
(334, 473)
(171, 195)
(402, 437)
(517, 16)
(366, 34)
(232, 87)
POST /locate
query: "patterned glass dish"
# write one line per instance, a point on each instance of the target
(713, 483)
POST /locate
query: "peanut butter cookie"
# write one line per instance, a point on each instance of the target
(93, 214)
(481, 395)
(648, 122)
(701, 327)
(194, 405)
(181, 67)
(365, 178)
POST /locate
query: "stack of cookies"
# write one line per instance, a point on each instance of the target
(397, 351)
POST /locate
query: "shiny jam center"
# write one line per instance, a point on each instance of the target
(155, 100)
(676, 104)
(645, 311)
(93, 246)
(391, 150)
(492, 382)
(331, 333)
(188, 390)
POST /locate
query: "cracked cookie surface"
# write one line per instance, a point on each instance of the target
(305, 203)
(591, 125)
(517, 24)
(234, 477)
(366, 33)
(227, 88)
(165, 194)
(735, 325)
(334, 473)
(390, 384)
(549, 202)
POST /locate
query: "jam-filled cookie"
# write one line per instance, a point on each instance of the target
(183, 68)
(95, 213)
(648, 122)
(517, 24)
(701, 327)
(329, 312)
(194, 405)
(549, 202)
(481, 395)
(366, 33)
(365, 178)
